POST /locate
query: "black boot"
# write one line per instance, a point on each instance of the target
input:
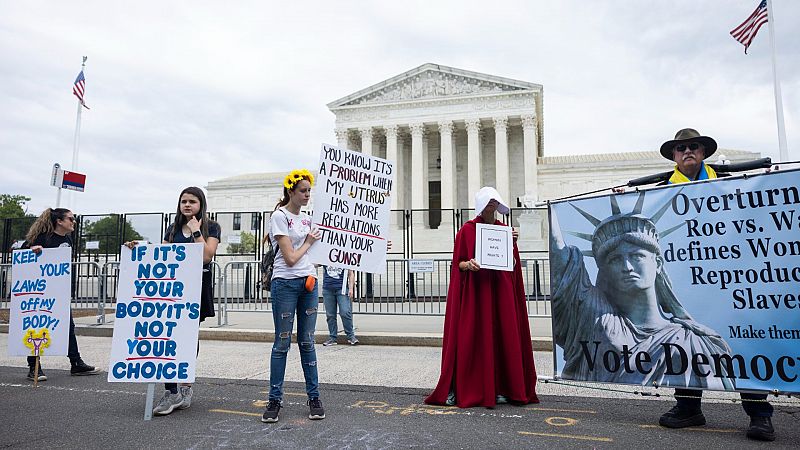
(678, 417)
(761, 429)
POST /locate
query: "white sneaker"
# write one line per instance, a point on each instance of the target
(168, 403)
(330, 342)
(185, 392)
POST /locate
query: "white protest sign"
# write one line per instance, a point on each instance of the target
(40, 302)
(157, 314)
(420, 265)
(494, 247)
(351, 210)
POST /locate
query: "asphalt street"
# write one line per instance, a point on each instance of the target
(88, 412)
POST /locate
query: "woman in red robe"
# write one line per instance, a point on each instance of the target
(486, 353)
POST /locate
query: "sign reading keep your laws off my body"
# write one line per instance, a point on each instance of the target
(40, 296)
(351, 209)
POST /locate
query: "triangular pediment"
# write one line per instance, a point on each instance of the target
(431, 81)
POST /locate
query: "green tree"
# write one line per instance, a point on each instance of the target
(248, 244)
(107, 231)
(11, 206)
(14, 219)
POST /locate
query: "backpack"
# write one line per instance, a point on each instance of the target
(268, 262)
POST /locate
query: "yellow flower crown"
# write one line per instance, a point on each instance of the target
(296, 175)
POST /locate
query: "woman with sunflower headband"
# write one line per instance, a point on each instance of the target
(294, 292)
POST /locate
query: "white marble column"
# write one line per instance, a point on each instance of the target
(402, 178)
(473, 159)
(342, 138)
(391, 155)
(366, 140)
(426, 168)
(530, 152)
(502, 172)
(418, 172)
(448, 165)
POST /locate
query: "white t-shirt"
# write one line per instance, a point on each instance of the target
(284, 223)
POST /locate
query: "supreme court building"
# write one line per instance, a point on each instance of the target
(450, 132)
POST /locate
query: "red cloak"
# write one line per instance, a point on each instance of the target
(486, 349)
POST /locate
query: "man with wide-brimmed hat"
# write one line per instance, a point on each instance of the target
(688, 150)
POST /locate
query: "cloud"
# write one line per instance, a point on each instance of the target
(183, 93)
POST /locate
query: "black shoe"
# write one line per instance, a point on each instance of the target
(678, 417)
(42, 376)
(271, 414)
(315, 411)
(81, 368)
(761, 429)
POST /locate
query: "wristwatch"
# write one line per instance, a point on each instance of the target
(197, 234)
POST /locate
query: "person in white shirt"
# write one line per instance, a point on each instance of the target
(294, 292)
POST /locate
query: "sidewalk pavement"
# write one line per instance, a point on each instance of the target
(394, 351)
(360, 365)
(371, 329)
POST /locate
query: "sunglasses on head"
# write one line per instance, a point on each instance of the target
(692, 146)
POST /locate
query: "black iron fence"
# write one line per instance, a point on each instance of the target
(415, 233)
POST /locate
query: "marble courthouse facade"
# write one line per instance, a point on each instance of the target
(451, 131)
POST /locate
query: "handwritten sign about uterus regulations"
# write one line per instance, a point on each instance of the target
(40, 302)
(157, 314)
(351, 209)
(494, 247)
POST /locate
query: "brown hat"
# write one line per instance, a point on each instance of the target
(688, 134)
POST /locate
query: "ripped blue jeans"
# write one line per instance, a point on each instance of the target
(290, 298)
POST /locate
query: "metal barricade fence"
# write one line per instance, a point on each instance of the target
(241, 289)
(238, 287)
(86, 289)
(397, 292)
(109, 291)
(5, 292)
(216, 275)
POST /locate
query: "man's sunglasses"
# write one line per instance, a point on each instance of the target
(693, 146)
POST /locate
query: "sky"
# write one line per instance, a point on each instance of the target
(186, 92)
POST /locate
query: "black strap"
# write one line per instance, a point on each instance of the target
(276, 240)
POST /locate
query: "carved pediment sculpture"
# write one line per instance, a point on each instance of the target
(431, 84)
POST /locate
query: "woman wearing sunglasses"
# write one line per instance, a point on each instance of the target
(53, 229)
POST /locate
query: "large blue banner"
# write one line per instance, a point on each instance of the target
(688, 285)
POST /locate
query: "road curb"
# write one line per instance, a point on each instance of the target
(381, 339)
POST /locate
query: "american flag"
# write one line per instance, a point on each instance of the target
(745, 32)
(79, 87)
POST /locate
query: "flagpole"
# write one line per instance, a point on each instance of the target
(77, 139)
(782, 147)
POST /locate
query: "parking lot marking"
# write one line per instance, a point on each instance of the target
(707, 430)
(561, 421)
(567, 436)
(585, 411)
(228, 411)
